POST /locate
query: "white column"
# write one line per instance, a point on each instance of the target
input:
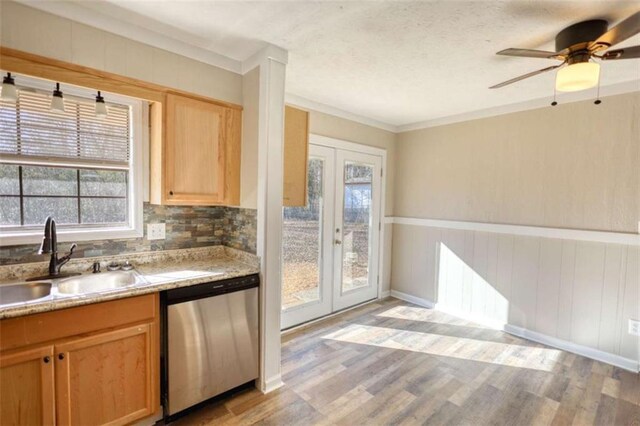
(272, 62)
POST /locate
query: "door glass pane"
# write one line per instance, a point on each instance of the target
(356, 233)
(301, 239)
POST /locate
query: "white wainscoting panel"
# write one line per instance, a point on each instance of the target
(577, 291)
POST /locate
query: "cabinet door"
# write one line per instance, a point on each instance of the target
(26, 387)
(195, 151)
(107, 378)
(296, 150)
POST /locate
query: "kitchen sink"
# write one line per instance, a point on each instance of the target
(103, 281)
(24, 292)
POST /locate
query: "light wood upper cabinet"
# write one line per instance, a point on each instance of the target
(89, 365)
(296, 149)
(27, 387)
(195, 152)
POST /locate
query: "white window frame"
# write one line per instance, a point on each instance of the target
(139, 134)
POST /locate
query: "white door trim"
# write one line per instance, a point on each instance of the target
(306, 312)
(346, 145)
(343, 300)
(357, 147)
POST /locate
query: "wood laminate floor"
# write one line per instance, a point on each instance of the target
(392, 362)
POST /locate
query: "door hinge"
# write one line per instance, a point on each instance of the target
(379, 226)
(381, 172)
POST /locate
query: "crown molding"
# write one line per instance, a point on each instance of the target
(563, 98)
(83, 15)
(269, 52)
(305, 103)
(74, 11)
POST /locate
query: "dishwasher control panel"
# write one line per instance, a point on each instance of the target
(214, 288)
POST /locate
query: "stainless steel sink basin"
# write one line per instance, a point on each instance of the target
(24, 292)
(103, 281)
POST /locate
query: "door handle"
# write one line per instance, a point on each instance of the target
(337, 242)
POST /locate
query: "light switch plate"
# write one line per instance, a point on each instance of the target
(634, 327)
(155, 231)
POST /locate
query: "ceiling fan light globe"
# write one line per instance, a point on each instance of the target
(580, 76)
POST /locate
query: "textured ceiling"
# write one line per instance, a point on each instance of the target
(396, 62)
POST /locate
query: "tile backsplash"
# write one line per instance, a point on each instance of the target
(186, 227)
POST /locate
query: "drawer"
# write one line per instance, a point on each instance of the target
(59, 324)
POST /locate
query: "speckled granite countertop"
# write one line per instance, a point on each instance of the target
(161, 270)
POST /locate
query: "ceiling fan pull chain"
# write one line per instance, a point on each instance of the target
(598, 101)
(554, 103)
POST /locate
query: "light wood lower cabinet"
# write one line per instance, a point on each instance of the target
(27, 387)
(107, 376)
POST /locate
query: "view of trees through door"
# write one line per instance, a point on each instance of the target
(330, 246)
(301, 235)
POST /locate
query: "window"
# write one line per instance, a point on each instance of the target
(72, 165)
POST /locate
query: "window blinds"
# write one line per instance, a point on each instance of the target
(29, 129)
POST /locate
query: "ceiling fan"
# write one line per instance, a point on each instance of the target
(576, 46)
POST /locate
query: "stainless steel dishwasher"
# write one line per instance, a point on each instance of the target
(210, 340)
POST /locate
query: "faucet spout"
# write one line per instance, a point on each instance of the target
(49, 245)
(49, 240)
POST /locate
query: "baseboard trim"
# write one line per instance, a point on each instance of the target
(272, 384)
(413, 299)
(487, 322)
(585, 351)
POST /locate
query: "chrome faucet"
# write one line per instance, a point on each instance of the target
(50, 245)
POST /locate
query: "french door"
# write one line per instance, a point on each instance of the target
(330, 246)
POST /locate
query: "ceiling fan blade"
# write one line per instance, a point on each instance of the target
(624, 53)
(625, 29)
(529, 53)
(522, 77)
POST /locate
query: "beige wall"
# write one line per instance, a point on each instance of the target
(249, 172)
(571, 166)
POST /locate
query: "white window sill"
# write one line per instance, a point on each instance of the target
(69, 235)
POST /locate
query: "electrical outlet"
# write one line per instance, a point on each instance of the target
(155, 231)
(634, 327)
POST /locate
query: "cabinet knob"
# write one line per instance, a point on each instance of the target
(170, 192)
(46, 359)
(61, 356)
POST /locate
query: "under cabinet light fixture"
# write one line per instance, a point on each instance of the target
(101, 107)
(57, 102)
(9, 92)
